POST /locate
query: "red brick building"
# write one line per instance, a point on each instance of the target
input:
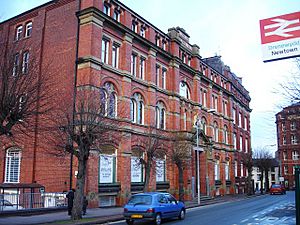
(288, 134)
(160, 79)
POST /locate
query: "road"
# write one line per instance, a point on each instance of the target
(261, 210)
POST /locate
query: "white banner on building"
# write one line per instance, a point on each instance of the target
(160, 170)
(136, 170)
(106, 169)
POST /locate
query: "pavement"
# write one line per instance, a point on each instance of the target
(100, 215)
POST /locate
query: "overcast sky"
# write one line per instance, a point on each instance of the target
(229, 28)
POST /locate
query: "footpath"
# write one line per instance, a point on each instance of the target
(100, 215)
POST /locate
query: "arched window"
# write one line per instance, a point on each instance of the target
(160, 115)
(12, 165)
(161, 169)
(132, 110)
(225, 134)
(184, 90)
(103, 97)
(203, 124)
(216, 132)
(137, 109)
(108, 100)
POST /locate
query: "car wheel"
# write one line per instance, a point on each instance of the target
(157, 220)
(181, 214)
(129, 222)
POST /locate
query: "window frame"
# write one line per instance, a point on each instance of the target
(160, 115)
(164, 175)
(25, 62)
(9, 170)
(295, 155)
(116, 15)
(157, 75)
(142, 67)
(106, 9)
(105, 50)
(28, 29)
(294, 140)
(16, 64)
(115, 55)
(114, 168)
(133, 64)
(164, 78)
(19, 31)
(184, 90)
(217, 170)
(138, 107)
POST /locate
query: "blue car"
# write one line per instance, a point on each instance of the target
(153, 206)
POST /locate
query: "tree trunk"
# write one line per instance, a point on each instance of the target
(249, 181)
(267, 180)
(180, 181)
(79, 193)
(262, 181)
(147, 176)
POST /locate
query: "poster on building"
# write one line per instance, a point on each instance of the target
(280, 37)
(136, 170)
(106, 169)
(160, 170)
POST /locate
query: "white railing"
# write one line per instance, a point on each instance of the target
(32, 201)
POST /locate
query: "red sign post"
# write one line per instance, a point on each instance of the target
(280, 37)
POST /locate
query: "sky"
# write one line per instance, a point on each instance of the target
(229, 28)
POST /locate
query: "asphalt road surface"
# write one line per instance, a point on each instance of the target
(261, 210)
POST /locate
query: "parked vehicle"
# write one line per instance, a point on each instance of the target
(277, 189)
(153, 206)
(6, 205)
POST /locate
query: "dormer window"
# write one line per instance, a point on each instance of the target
(183, 56)
(143, 31)
(134, 26)
(157, 40)
(106, 9)
(164, 45)
(116, 15)
(189, 61)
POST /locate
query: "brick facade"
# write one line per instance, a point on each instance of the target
(288, 136)
(76, 38)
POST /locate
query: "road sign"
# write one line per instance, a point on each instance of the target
(281, 179)
(280, 37)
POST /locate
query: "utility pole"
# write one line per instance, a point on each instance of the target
(297, 194)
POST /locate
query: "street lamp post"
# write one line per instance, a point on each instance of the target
(198, 150)
(198, 161)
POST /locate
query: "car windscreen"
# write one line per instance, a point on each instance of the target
(276, 186)
(140, 199)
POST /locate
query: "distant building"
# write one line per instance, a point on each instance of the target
(273, 174)
(288, 139)
(159, 78)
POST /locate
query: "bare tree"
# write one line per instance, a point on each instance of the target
(264, 162)
(25, 88)
(181, 155)
(248, 163)
(92, 125)
(150, 148)
(290, 89)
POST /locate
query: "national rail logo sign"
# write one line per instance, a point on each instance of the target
(280, 37)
